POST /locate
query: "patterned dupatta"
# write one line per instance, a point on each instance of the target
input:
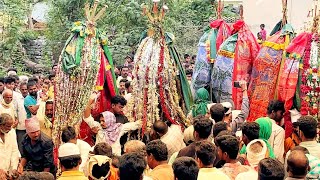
(234, 63)
(208, 46)
(265, 72)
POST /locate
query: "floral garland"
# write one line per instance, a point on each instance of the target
(161, 89)
(310, 78)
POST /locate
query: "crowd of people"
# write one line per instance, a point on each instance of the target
(219, 144)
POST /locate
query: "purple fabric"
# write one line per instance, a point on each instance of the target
(113, 129)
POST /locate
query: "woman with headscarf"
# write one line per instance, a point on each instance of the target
(110, 131)
(264, 134)
(201, 102)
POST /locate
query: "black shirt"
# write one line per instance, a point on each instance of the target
(40, 155)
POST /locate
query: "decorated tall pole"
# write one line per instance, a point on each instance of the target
(79, 64)
(154, 85)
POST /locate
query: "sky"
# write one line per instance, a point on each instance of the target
(269, 12)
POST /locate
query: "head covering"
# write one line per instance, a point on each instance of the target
(255, 157)
(68, 149)
(227, 105)
(295, 115)
(12, 73)
(265, 133)
(235, 113)
(188, 135)
(32, 124)
(200, 105)
(99, 160)
(112, 131)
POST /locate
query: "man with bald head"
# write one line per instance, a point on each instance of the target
(172, 136)
(298, 165)
(6, 105)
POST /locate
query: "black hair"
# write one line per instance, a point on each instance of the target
(218, 127)
(49, 102)
(124, 67)
(132, 166)
(67, 134)
(118, 100)
(226, 132)
(193, 57)
(124, 80)
(100, 171)
(185, 168)
(158, 149)
(31, 83)
(54, 65)
(15, 77)
(308, 125)
(262, 25)
(12, 69)
(275, 106)
(9, 80)
(103, 149)
(186, 56)
(298, 163)
(51, 76)
(270, 169)
(251, 130)
(189, 72)
(203, 127)
(70, 162)
(2, 80)
(217, 112)
(33, 78)
(127, 84)
(228, 144)
(206, 152)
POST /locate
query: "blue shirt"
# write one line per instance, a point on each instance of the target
(29, 101)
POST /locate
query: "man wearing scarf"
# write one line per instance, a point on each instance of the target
(45, 118)
(7, 107)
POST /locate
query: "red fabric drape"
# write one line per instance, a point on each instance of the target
(246, 51)
(106, 92)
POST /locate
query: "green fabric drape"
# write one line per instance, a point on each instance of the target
(186, 91)
(265, 124)
(201, 102)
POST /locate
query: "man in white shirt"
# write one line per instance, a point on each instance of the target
(124, 75)
(275, 112)
(68, 135)
(6, 105)
(9, 152)
(18, 103)
(172, 136)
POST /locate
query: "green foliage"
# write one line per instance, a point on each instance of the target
(12, 15)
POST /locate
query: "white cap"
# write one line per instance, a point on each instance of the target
(235, 114)
(68, 149)
(254, 156)
(227, 105)
(295, 115)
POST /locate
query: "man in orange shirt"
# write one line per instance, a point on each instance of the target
(157, 155)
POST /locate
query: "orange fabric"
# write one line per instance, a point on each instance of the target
(113, 173)
(263, 78)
